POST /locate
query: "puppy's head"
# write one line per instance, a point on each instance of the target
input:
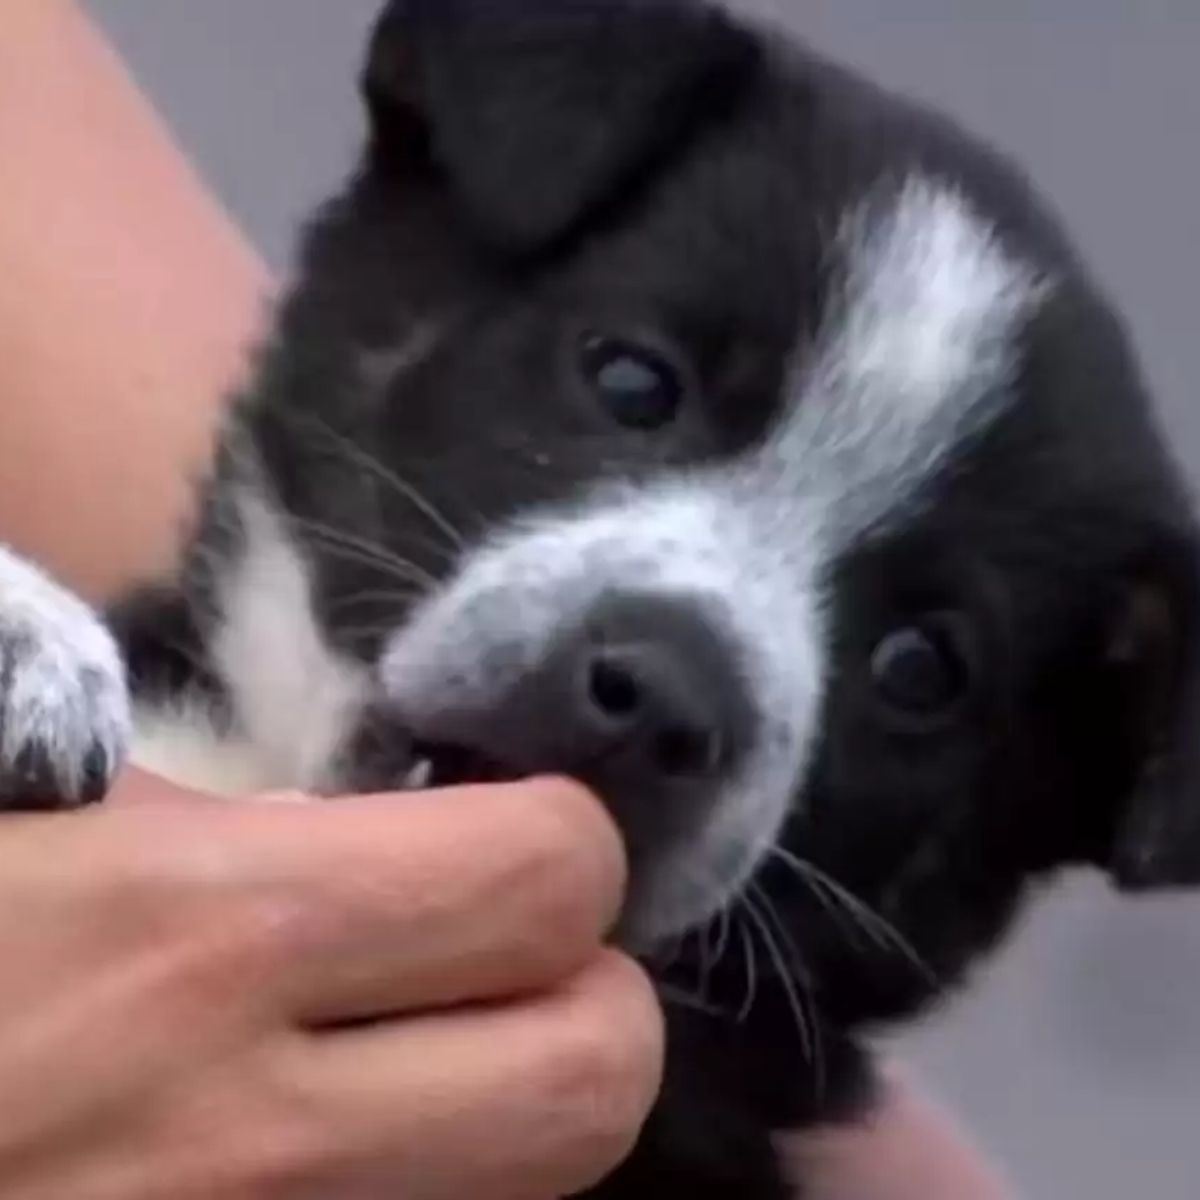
(805, 498)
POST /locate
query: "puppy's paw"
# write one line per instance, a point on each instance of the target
(64, 703)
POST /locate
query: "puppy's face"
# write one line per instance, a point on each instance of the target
(804, 500)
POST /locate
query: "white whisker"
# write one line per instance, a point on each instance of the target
(396, 597)
(387, 475)
(725, 920)
(881, 931)
(671, 995)
(804, 1029)
(751, 956)
(365, 551)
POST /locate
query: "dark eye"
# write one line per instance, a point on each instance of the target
(638, 386)
(920, 671)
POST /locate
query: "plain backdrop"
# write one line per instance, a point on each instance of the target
(1077, 1058)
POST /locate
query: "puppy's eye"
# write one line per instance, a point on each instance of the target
(920, 671)
(639, 388)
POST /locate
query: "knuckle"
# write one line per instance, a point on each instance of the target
(273, 928)
(227, 947)
(227, 960)
(194, 863)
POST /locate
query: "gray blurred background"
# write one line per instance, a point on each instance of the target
(1077, 1059)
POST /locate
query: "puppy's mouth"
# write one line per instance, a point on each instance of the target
(443, 764)
(383, 756)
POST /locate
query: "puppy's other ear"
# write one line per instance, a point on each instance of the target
(1154, 666)
(540, 111)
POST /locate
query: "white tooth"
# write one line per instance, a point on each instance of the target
(421, 776)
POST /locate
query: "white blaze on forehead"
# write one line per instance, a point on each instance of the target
(930, 299)
(915, 353)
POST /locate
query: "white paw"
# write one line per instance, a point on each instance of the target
(64, 703)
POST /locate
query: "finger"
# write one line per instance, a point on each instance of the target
(134, 786)
(549, 1096)
(396, 904)
(363, 907)
(448, 897)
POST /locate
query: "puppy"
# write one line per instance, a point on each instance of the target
(662, 405)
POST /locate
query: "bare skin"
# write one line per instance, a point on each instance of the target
(908, 1150)
(181, 977)
(179, 973)
(127, 301)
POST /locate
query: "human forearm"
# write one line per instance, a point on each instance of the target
(127, 301)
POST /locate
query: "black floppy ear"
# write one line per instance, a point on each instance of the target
(1154, 654)
(539, 111)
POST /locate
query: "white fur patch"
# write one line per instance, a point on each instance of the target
(294, 697)
(183, 743)
(914, 356)
(63, 697)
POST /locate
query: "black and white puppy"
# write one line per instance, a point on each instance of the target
(662, 405)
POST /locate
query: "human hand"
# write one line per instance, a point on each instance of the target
(378, 997)
(908, 1149)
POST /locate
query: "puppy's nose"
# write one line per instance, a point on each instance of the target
(655, 692)
(649, 695)
(641, 697)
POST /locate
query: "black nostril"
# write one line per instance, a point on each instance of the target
(641, 699)
(614, 690)
(649, 697)
(687, 753)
